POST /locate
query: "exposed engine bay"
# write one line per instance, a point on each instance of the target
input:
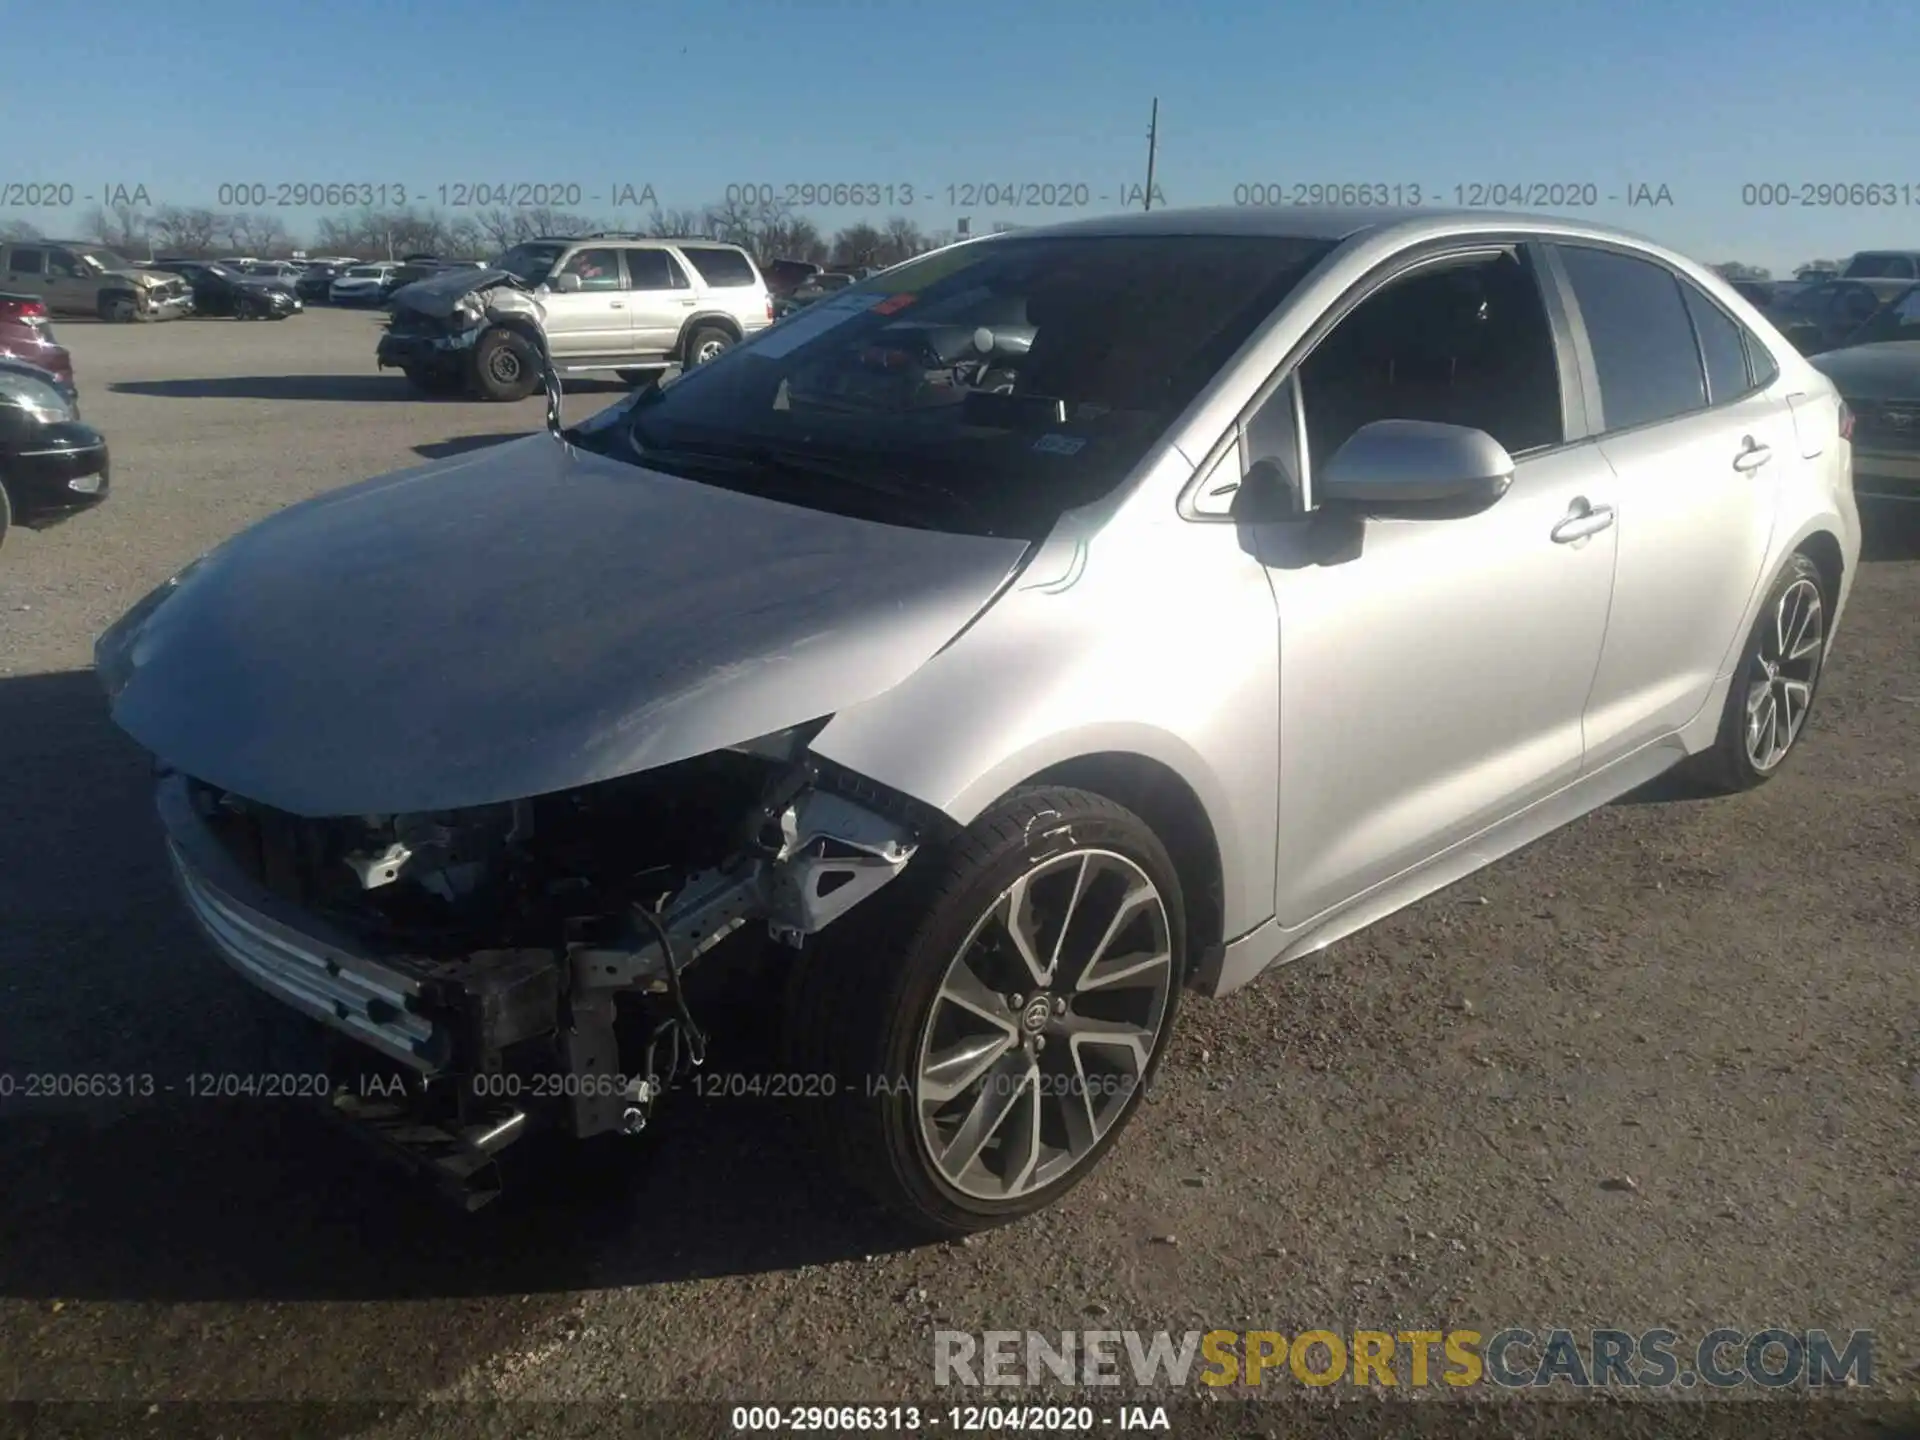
(525, 962)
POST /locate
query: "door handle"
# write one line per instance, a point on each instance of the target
(1582, 519)
(689, 303)
(1752, 456)
(616, 304)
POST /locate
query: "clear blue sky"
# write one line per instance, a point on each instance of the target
(694, 96)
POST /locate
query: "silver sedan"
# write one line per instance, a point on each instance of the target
(981, 659)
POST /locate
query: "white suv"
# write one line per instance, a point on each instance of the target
(599, 303)
(611, 302)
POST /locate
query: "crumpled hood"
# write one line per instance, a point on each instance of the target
(521, 621)
(438, 294)
(1889, 370)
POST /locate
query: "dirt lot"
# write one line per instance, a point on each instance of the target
(1429, 1126)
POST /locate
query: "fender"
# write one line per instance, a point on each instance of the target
(718, 318)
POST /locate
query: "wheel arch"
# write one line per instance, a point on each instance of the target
(718, 319)
(1823, 548)
(1173, 810)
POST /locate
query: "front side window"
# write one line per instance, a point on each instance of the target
(985, 388)
(1464, 342)
(65, 264)
(597, 269)
(1643, 347)
(1722, 346)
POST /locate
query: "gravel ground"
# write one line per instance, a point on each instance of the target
(1660, 1069)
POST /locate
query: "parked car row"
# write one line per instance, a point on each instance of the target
(51, 465)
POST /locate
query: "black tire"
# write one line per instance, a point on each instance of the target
(1730, 766)
(119, 309)
(704, 343)
(6, 514)
(506, 367)
(859, 1001)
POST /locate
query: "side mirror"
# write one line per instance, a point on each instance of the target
(1265, 494)
(568, 284)
(1415, 464)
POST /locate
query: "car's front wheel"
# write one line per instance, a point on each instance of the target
(119, 310)
(505, 366)
(1773, 686)
(989, 1023)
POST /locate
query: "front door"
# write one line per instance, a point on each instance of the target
(71, 289)
(591, 322)
(1433, 674)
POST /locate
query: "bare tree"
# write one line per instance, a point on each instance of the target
(20, 230)
(254, 234)
(747, 223)
(797, 238)
(904, 240)
(119, 228)
(857, 245)
(678, 224)
(190, 232)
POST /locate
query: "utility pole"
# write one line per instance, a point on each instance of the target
(1153, 145)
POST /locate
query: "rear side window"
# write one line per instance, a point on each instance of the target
(1643, 347)
(1722, 346)
(721, 267)
(653, 270)
(28, 262)
(1871, 266)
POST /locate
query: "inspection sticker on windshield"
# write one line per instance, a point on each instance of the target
(1059, 445)
(810, 324)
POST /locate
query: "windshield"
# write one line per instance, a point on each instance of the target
(1002, 381)
(530, 264)
(364, 272)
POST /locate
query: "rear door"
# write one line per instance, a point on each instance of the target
(26, 270)
(1700, 448)
(660, 297)
(590, 322)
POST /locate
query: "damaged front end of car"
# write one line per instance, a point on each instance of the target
(435, 324)
(521, 967)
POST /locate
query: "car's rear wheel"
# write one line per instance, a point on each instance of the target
(119, 310)
(989, 1023)
(1773, 686)
(707, 342)
(505, 366)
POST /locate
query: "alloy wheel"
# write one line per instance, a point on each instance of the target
(1045, 1025)
(1785, 667)
(709, 351)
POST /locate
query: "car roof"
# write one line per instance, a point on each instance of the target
(1329, 223)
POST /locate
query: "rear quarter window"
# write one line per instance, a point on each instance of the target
(722, 268)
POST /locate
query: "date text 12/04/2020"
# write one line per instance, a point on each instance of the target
(1475, 195)
(967, 195)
